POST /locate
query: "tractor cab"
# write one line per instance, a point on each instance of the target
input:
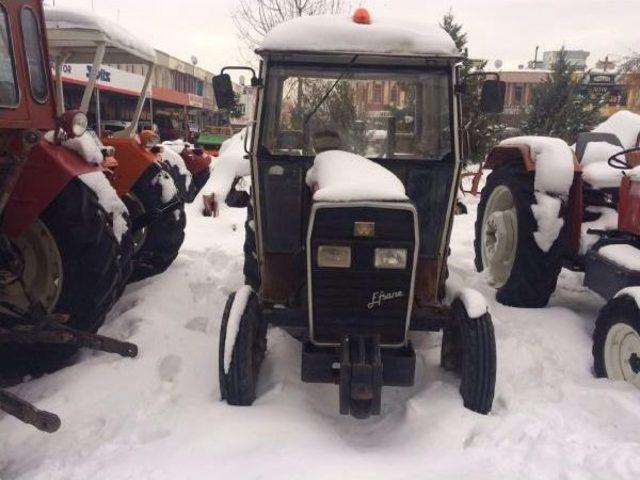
(355, 161)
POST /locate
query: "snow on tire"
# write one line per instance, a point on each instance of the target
(507, 237)
(164, 236)
(616, 341)
(242, 347)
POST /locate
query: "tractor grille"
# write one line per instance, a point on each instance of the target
(361, 299)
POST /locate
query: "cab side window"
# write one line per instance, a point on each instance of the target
(33, 52)
(9, 96)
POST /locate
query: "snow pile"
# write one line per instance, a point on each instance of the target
(602, 175)
(233, 324)
(232, 162)
(554, 162)
(168, 186)
(623, 124)
(608, 220)
(338, 176)
(339, 33)
(85, 145)
(109, 200)
(622, 254)
(546, 211)
(77, 19)
(598, 152)
(633, 292)
(177, 146)
(174, 159)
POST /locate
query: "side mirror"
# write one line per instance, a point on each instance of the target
(492, 97)
(223, 90)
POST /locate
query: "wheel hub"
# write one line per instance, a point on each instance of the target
(40, 267)
(499, 235)
(622, 354)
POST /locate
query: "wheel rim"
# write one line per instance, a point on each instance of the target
(136, 209)
(42, 270)
(499, 235)
(622, 354)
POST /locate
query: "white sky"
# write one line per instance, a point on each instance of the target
(498, 29)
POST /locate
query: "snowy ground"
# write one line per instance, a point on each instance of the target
(159, 416)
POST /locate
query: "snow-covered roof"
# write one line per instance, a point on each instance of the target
(78, 32)
(340, 34)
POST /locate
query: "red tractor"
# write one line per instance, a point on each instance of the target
(595, 224)
(63, 229)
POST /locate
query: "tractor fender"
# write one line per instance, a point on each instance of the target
(47, 171)
(573, 210)
(133, 160)
(196, 162)
(502, 154)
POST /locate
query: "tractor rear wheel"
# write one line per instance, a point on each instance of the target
(505, 247)
(156, 246)
(469, 348)
(243, 345)
(616, 341)
(71, 266)
(251, 269)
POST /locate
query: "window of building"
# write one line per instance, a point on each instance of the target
(33, 54)
(518, 94)
(393, 95)
(377, 93)
(8, 85)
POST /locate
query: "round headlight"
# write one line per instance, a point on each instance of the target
(79, 124)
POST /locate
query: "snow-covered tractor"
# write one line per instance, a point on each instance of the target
(355, 165)
(546, 206)
(63, 229)
(154, 182)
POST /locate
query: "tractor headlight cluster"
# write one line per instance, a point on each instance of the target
(391, 258)
(333, 256)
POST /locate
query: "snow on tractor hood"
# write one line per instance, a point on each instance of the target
(232, 162)
(339, 33)
(554, 162)
(623, 124)
(338, 176)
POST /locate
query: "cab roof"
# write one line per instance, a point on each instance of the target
(342, 34)
(79, 32)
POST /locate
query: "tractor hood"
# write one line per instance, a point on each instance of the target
(338, 176)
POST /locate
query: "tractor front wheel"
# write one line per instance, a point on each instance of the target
(243, 344)
(616, 341)
(469, 348)
(505, 246)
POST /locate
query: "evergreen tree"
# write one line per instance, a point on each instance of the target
(561, 106)
(484, 130)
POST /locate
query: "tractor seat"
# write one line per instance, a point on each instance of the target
(586, 138)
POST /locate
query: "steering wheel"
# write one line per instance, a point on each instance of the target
(621, 163)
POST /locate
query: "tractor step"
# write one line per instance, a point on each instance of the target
(606, 277)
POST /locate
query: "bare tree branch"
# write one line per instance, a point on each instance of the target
(254, 18)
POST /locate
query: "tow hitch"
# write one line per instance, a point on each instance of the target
(360, 376)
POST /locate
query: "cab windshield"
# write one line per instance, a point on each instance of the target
(8, 84)
(374, 113)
